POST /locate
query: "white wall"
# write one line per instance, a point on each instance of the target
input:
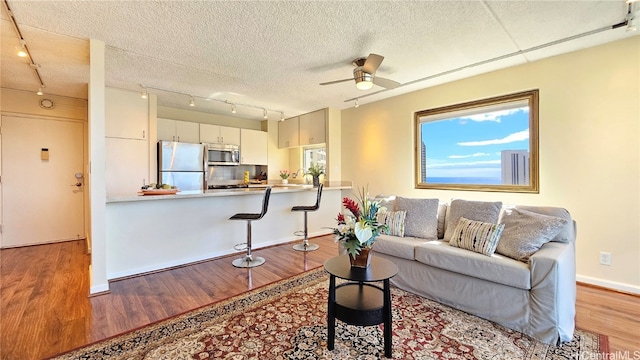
(589, 148)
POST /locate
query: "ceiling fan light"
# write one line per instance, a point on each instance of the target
(364, 85)
(364, 81)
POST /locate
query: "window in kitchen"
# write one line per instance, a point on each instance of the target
(484, 145)
(313, 155)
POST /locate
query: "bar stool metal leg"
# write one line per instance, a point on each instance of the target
(248, 260)
(305, 245)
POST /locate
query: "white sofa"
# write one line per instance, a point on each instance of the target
(536, 297)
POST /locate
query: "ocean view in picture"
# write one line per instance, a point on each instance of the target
(487, 147)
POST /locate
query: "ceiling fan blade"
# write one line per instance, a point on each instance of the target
(372, 63)
(386, 83)
(335, 81)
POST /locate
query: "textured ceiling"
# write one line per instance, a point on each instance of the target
(273, 54)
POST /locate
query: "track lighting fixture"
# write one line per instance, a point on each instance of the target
(234, 106)
(144, 93)
(356, 105)
(631, 1)
(40, 93)
(281, 116)
(630, 19)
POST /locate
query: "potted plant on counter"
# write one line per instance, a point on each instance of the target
(315, 170)
(284, 175)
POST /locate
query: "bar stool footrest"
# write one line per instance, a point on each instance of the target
(248, 262)
(306, 247)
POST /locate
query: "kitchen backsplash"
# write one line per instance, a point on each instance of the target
(218, 174)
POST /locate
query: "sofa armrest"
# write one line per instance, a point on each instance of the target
(553, 291)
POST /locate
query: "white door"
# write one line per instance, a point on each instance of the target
(42, 200)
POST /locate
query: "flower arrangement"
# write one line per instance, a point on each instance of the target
(284, 174)
(359, 228)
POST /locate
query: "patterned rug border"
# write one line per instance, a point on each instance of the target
(139, 341)
(223, 308)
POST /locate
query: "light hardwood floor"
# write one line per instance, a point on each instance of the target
(44, 308)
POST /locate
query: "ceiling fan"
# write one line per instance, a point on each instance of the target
(365, 74)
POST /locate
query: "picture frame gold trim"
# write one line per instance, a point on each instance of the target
(532, 97)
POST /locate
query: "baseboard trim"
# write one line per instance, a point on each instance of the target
(610, 285)
(99, 290)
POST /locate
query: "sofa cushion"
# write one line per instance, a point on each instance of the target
(496, 268)
(422, 217)
(488, 212)
(567, 232)
(397, 246)
(476, 236)
(525, 232)
(394, 220)
(442, 215)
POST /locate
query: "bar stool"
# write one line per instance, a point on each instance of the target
(248, 260)
(305, 246)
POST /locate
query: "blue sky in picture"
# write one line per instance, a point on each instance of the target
(466, 150)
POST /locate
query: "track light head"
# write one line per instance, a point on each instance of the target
(192, 102)
(40, 93)
(281, 116)
(264, 114)
(357, 104)
(233, 108)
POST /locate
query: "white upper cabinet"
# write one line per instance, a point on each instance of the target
(215, 134)
(126, 114)
(288, 133)
(313, 128)
(175, 130)
(253, 147)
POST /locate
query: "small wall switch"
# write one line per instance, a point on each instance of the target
(605, 258)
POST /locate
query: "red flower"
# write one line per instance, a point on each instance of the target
(351, 206)
(340, 219)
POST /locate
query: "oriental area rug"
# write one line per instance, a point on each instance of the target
(288, 320)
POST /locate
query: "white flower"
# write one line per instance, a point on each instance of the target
(363, 231)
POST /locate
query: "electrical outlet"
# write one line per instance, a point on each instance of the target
(605, 258)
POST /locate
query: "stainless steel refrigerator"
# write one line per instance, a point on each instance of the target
(182, 165)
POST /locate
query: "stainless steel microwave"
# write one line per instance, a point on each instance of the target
(223, 154)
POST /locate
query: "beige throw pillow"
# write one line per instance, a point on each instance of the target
(476, 236)
(525, 232)
(422, 217)
(394, 220)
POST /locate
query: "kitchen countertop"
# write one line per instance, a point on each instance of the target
(252, 189)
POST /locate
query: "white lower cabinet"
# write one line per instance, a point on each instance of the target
(127, 165)
(253, 147)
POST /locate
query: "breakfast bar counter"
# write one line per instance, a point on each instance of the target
(154, 232)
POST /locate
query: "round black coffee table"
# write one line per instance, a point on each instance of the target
(358, 302)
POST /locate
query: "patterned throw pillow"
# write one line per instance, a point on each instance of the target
(473, 210)
(422, 217)
(394, 220)
(525, 232)
(476, 236)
